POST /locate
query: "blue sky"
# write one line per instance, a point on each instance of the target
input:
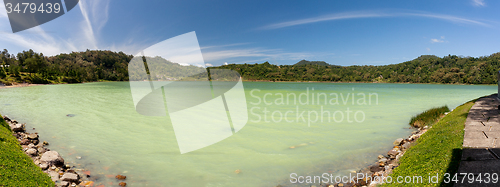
(281, 32)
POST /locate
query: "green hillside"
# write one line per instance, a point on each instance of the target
(89, 66)
(424, 69)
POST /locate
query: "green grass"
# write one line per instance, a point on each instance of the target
(437, 151)
(16, 168)
(428, 117)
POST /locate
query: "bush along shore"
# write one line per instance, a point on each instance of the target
(51, 163)
(385, 164)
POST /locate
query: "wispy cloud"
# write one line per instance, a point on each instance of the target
(95, 14)
(95, 17)
(449, 18)
(234, 53)
(267, 54)
(226, 45)
(357, 15)
(436, 40)
(478, 3)
(331, 17)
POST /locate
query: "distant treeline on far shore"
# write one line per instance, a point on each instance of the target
(95, 65)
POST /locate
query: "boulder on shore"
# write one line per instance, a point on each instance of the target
(31, 151)
(52, 158)
(376, 168)
(70, 177)
(54, 176)
(398, 141)
(17, 127)
(33, 136)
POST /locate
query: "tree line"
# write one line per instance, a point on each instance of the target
(76, 67)
(449, 69)
(96, 65)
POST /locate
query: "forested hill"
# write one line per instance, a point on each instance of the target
(91, 65)
(424, 69)
(317, 63)
(31, 67)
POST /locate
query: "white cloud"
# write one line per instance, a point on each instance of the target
(449, 18)
(226, 45)
(95, 17)
(354, 15)
(348, 15)
(209, 65)
(95, 13)
(478, 3)
(3, 11)
(428, 49)
(436, 40)
(267, 54)
(225, 63)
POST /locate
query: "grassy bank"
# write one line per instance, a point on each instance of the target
(438, 151)
(16, 168)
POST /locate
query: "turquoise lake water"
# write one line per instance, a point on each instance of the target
(343, 127)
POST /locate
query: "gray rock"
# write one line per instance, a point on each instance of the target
(70, 177)
(44, 166)
(406, 145)
(54, 176)
(64, 184)
(376, 168)
(383, 160)
(25, 142)
(33, 136)
(42, 150)
(31, 151)
(31, 146)
(398, 141)
(52, 158)
(393, 152)
(17, 127)
(398, 157)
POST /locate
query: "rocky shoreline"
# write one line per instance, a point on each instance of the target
(50, 161)
(386, 163)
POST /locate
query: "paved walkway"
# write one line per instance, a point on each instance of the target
(481, 153)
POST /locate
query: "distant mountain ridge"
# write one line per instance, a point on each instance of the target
(305, 62)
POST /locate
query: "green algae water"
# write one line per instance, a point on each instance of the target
(302, 128)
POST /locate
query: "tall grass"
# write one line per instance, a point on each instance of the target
(428, 117)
